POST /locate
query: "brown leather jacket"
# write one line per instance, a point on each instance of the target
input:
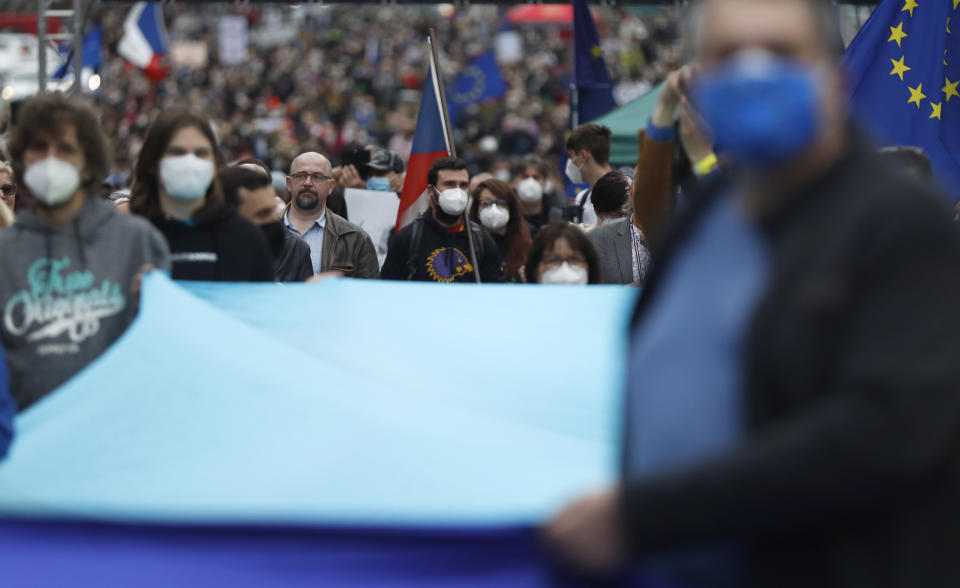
(348, 248)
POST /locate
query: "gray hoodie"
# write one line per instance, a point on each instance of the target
(65, 294)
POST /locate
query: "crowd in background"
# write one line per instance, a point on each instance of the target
(317, 80)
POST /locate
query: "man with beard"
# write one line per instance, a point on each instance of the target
(434, 247)
(335, 244)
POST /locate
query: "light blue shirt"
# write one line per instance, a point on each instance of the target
(686, 380)
(313, 237)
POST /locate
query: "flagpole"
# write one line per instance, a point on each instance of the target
(451, 147)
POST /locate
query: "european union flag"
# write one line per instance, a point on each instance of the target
(481, 80)
(905, 71)
(594, 88)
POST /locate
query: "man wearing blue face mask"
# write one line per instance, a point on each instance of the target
(792, 413)
(384, 166)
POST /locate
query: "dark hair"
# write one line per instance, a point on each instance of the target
(577, 239)
(444, 163)
(517, 234)
(145, 193)
(234, 178)
(911, 160)
(254, 161)
(594, 138)
(47, 114)
(520, 165)
(610, 193)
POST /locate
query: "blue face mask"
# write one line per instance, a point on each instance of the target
(763, 110)
(376, 183)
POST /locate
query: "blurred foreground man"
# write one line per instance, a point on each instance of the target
(70, 267)
(793, 411)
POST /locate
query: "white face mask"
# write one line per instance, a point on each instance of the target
(453, 201)
(530, 191)
(186, 177)
(494, 218)
(573, 172)
(565, 274)
(52, 181)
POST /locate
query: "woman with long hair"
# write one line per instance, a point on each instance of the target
(176, 188)
(495, 207)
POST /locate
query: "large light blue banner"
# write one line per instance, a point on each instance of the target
(344, 402)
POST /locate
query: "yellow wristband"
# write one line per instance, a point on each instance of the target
(705, 165)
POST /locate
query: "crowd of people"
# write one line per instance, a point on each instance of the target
(799, 288)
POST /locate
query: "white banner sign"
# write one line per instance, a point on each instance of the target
(374, 211)
(233, 40)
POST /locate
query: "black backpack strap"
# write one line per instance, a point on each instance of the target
(582, 204)
(415, 237)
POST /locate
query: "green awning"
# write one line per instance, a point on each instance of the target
(625, 122)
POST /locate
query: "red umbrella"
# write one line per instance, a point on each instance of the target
(541, 14)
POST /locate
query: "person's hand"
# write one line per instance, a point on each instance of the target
(137, 281)
(670, 95)
(323, 276)
(396, 182)
(350, 178)
(587, 534)
(695, 136)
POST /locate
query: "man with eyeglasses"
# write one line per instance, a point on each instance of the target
(335, 243)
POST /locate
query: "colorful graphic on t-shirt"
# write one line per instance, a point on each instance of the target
(448, 263)
(61, 303)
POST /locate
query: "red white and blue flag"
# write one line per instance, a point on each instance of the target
(430, 142)
(144, 41)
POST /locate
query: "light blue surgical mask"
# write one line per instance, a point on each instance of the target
(379, 183)
(762, 109)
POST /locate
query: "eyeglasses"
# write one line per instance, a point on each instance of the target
(317, 177)
(488, 203)
(8, 189)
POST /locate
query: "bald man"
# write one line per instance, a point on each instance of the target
(335, 244)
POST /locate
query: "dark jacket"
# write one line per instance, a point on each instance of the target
(348, 248)
(441, 255)
(293, 264)
(849, 474)
(223, 248)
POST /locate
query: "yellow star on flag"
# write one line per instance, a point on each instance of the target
(908, 6)
(897, 34)
(899, 67)
(916, 95)
(949, 32)
(936, 110)
(950, 89)
(955, 4)
(596, 51)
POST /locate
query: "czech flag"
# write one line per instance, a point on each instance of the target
(144, 41)
(430, 142)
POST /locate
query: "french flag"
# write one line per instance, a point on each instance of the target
(144, 41)
(430, 142)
